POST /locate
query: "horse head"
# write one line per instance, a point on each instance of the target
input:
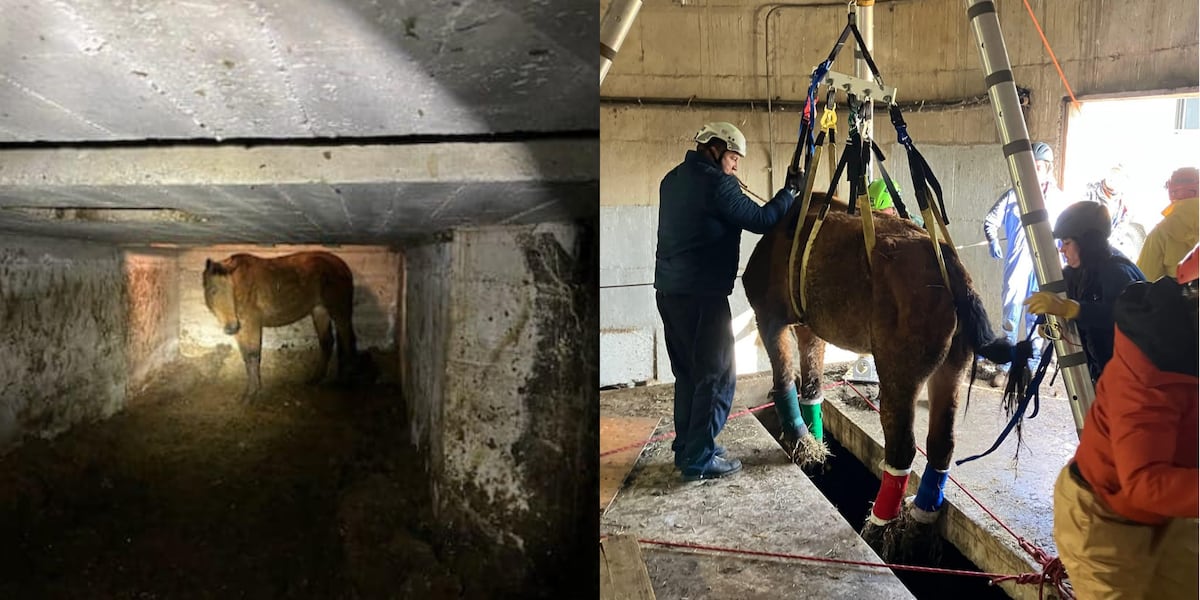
(218, 294)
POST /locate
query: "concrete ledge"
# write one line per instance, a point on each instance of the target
(770, 506)
(570, 160)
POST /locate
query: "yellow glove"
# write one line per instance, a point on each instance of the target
(1045, 303)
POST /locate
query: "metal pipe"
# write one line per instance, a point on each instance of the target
(1018, 151)
(616, 25)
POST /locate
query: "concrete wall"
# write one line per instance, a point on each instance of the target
(427, 302)
(512, 431)
(62, 352)
(719, 59)
(152, 335)
(375, 297)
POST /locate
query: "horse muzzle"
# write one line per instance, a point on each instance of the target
(232, 328)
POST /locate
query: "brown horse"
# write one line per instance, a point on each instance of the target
(247, 293)
(895, 306)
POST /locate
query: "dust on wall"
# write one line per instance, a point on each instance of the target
(63, 354)
(152, 297)
(514, 424)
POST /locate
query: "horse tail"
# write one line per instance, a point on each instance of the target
(973, 320)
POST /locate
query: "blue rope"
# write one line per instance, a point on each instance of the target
(1013, 389)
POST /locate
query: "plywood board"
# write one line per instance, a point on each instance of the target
(623, 574)
(630, 433)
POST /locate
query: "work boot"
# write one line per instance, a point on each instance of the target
(719, 451)
(719, 467)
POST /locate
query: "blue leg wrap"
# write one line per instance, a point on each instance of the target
(929, 494)
(787, 406)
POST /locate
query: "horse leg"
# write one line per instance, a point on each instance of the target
(324, 327)
(812, 365)
(801, 446)
(943, 403)
(897, 400)
(249, 340)
(347, 344)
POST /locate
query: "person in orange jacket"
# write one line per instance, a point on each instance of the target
(1126, 506)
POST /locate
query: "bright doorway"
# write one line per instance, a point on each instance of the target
(1149, 136)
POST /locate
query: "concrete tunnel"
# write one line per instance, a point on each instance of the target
(446, 151)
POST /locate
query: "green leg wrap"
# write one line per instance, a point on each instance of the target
(787, 406)
(811, 413)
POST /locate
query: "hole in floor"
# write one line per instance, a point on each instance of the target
(851, 487)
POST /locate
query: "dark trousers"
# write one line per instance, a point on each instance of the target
(699, 336)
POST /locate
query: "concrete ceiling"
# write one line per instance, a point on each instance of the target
(352, 121)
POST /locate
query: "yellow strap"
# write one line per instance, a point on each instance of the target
(866, 2)
(812, 236)
(868, 220)
(933, 229)
(804, 206)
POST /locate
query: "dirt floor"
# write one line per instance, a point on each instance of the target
(312, 492)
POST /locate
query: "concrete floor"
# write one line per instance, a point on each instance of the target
(770, 506)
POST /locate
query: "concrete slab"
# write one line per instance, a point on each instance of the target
(770, 506)
(282, 193)
(1020, 492)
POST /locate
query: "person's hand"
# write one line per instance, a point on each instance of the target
(795, 180)
(1045, 303)
(997, 251)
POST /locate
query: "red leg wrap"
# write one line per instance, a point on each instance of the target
(891, 492)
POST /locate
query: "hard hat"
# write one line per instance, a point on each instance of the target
(1081, 217)
(1042, 151)
(1189, 268)
(879, 195)
(726, 132)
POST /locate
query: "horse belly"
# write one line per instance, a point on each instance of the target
(287, 305)
(845, 336)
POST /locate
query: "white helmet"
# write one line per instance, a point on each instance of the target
(725, 132)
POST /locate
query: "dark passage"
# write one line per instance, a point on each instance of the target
(851, 487)
(313, 492)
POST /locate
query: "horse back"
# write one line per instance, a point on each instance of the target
(287, 288)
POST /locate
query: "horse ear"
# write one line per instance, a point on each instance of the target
(207, 265)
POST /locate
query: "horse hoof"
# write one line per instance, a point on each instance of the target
(905, 539)
(875, 536)
(806, 451)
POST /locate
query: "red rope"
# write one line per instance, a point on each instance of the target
(1023, 578)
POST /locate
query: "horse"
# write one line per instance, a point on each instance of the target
(894, 304)
(247, 293)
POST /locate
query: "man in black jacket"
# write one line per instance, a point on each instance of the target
(702, 212)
